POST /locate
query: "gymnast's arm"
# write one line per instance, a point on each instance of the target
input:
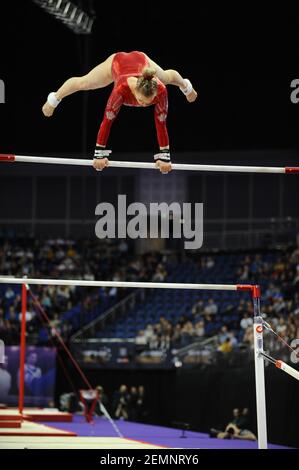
(172, 77)
(162, 159)
(112, 109)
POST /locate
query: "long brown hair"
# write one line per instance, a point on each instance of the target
(146, 83)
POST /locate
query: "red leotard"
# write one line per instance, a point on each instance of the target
(126, 65)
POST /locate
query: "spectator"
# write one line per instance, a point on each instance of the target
(236, 427)
(103, 399)
(121, 403)
(246, 321)
(133, 404)
(233, 340)
(223, 334)
(234, 432)
(226, 346)
(9, 294)
(248, 337)
(160, 274)
(244, 418)
(199, 329)
(197, 309)
(68, 402)
(141, 410)
(211, 308)
(141, 339)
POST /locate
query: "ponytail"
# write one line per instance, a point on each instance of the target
(146, 83)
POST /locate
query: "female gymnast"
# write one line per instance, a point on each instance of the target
(138, 81)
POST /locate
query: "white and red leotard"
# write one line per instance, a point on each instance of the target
(126, 65)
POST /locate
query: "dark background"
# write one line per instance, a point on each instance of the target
(241, 59)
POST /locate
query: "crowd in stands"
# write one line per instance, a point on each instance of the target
(66, 259)
(280, 308)
(113, 260)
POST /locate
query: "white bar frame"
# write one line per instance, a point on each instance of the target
(257, 326)
(147, 165)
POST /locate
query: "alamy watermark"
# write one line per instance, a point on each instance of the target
(2, 92)
(157, 221)
(294, 96)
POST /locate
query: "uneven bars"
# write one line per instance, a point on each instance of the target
(142, 285)
(10, 158)
(288, 369)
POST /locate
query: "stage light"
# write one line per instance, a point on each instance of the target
(70, 14)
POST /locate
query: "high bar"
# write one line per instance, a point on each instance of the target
(10, 158)
(142, 285)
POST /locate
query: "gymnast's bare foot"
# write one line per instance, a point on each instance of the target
(48, 110)
(192, 96)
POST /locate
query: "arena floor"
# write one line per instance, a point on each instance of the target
(101, 435)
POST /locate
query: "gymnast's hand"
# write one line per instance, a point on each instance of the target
(48, 110)
(100, 163)
(162, 161)
(100, 160)
(164, 167)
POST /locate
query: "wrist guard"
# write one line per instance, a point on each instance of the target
(163, 155)
(101, 152)
(187, 89)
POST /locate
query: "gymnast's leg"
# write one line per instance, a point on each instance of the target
(99, 77)
(172, 77)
